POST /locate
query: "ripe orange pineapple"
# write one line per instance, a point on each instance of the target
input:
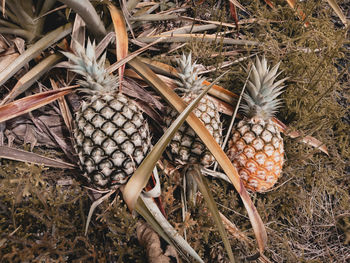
(256, 146)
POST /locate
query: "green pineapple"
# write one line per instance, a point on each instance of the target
(111, 135)
(256, 146)
(186, 147)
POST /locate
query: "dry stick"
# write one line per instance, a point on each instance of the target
(233, 118)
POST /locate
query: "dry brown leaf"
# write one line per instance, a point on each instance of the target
(27, 104)
(23, 130)
(150, 240)
(27, 80)
(78, 32)
(182, 38)
(121, 62)
(269, 3)
(7, 60)
(338, 11)
(233, 230)
(121, 37)
(24, 156)
(66, 114)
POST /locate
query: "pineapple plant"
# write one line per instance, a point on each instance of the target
(256, 146)
(186, 147)
(110, 133)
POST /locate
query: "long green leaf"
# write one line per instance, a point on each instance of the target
(34, 51)
(215, 149)
(204, 188)
(140, 178)
(88, 13)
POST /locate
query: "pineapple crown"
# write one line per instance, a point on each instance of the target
(261, 99)
(188, 75)
(96, 77)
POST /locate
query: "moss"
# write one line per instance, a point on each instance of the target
(42, 222)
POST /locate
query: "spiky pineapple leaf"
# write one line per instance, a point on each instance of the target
(34, 50)
(30, 103)
(31, 76)
(213, 146)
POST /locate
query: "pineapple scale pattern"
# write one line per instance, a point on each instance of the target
(186, 146)
(112, 139)
(256, 148)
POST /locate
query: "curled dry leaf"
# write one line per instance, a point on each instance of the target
(88, 13)
(150, 240)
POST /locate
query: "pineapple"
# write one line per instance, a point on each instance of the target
(111, 136)
(186, 147)
(256, 145)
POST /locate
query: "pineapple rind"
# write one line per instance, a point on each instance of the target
(186, 147)
(110, 146)
(256, 150)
